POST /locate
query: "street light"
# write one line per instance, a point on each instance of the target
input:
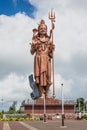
(33, 110)
(74, 106)
(44, 120)
(2, 105)
(62, 105)
(79, 105)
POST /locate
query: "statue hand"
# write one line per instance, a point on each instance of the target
(53, 26)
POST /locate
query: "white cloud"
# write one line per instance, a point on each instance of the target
(14, 88)
(67, 87)
(13, 83)
(15, 35)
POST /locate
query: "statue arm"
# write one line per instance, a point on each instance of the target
(51, 49)
(51, 31)
(33, 46)
(32, 49)
(51, 44)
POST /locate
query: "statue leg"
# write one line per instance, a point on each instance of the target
(47, 92)
(41, 92)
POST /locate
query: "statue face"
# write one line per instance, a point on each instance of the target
(42, 29)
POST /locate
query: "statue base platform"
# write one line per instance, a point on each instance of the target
(52, 107)
(48, 101)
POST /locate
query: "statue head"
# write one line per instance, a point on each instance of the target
(42, 28)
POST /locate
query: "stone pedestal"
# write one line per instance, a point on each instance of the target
(53, 106)
(49, 101)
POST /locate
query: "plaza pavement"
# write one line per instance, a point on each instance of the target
(40, 125)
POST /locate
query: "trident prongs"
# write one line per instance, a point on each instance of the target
(51, 15)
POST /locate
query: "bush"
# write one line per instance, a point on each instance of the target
(36, 118)
(27, 118)
(1, 114)
(84, 117)
(19, 119)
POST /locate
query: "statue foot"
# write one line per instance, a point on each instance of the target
(49, 83)
(47, 97)
(41, 97)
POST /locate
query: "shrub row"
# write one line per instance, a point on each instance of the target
(84, 117)
(19, 119)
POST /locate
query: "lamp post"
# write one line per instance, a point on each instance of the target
(44, 120)
(33, 110)
(62, 105)
(85, 105)
(74, 106)
(79, 105)
(2, 105)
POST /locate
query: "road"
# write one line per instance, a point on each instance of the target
(40, 125)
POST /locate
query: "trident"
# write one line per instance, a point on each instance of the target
(51, 16)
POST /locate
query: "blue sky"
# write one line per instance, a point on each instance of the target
(11, 7)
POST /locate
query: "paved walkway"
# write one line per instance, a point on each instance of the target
(39, 125)
(6, 126)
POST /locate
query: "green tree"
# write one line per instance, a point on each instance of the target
(80, 104)
(19, 111)
(12, 108)
(1, 114)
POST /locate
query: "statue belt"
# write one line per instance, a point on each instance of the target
(42, 53)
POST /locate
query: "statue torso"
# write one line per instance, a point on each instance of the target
(42, 45)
